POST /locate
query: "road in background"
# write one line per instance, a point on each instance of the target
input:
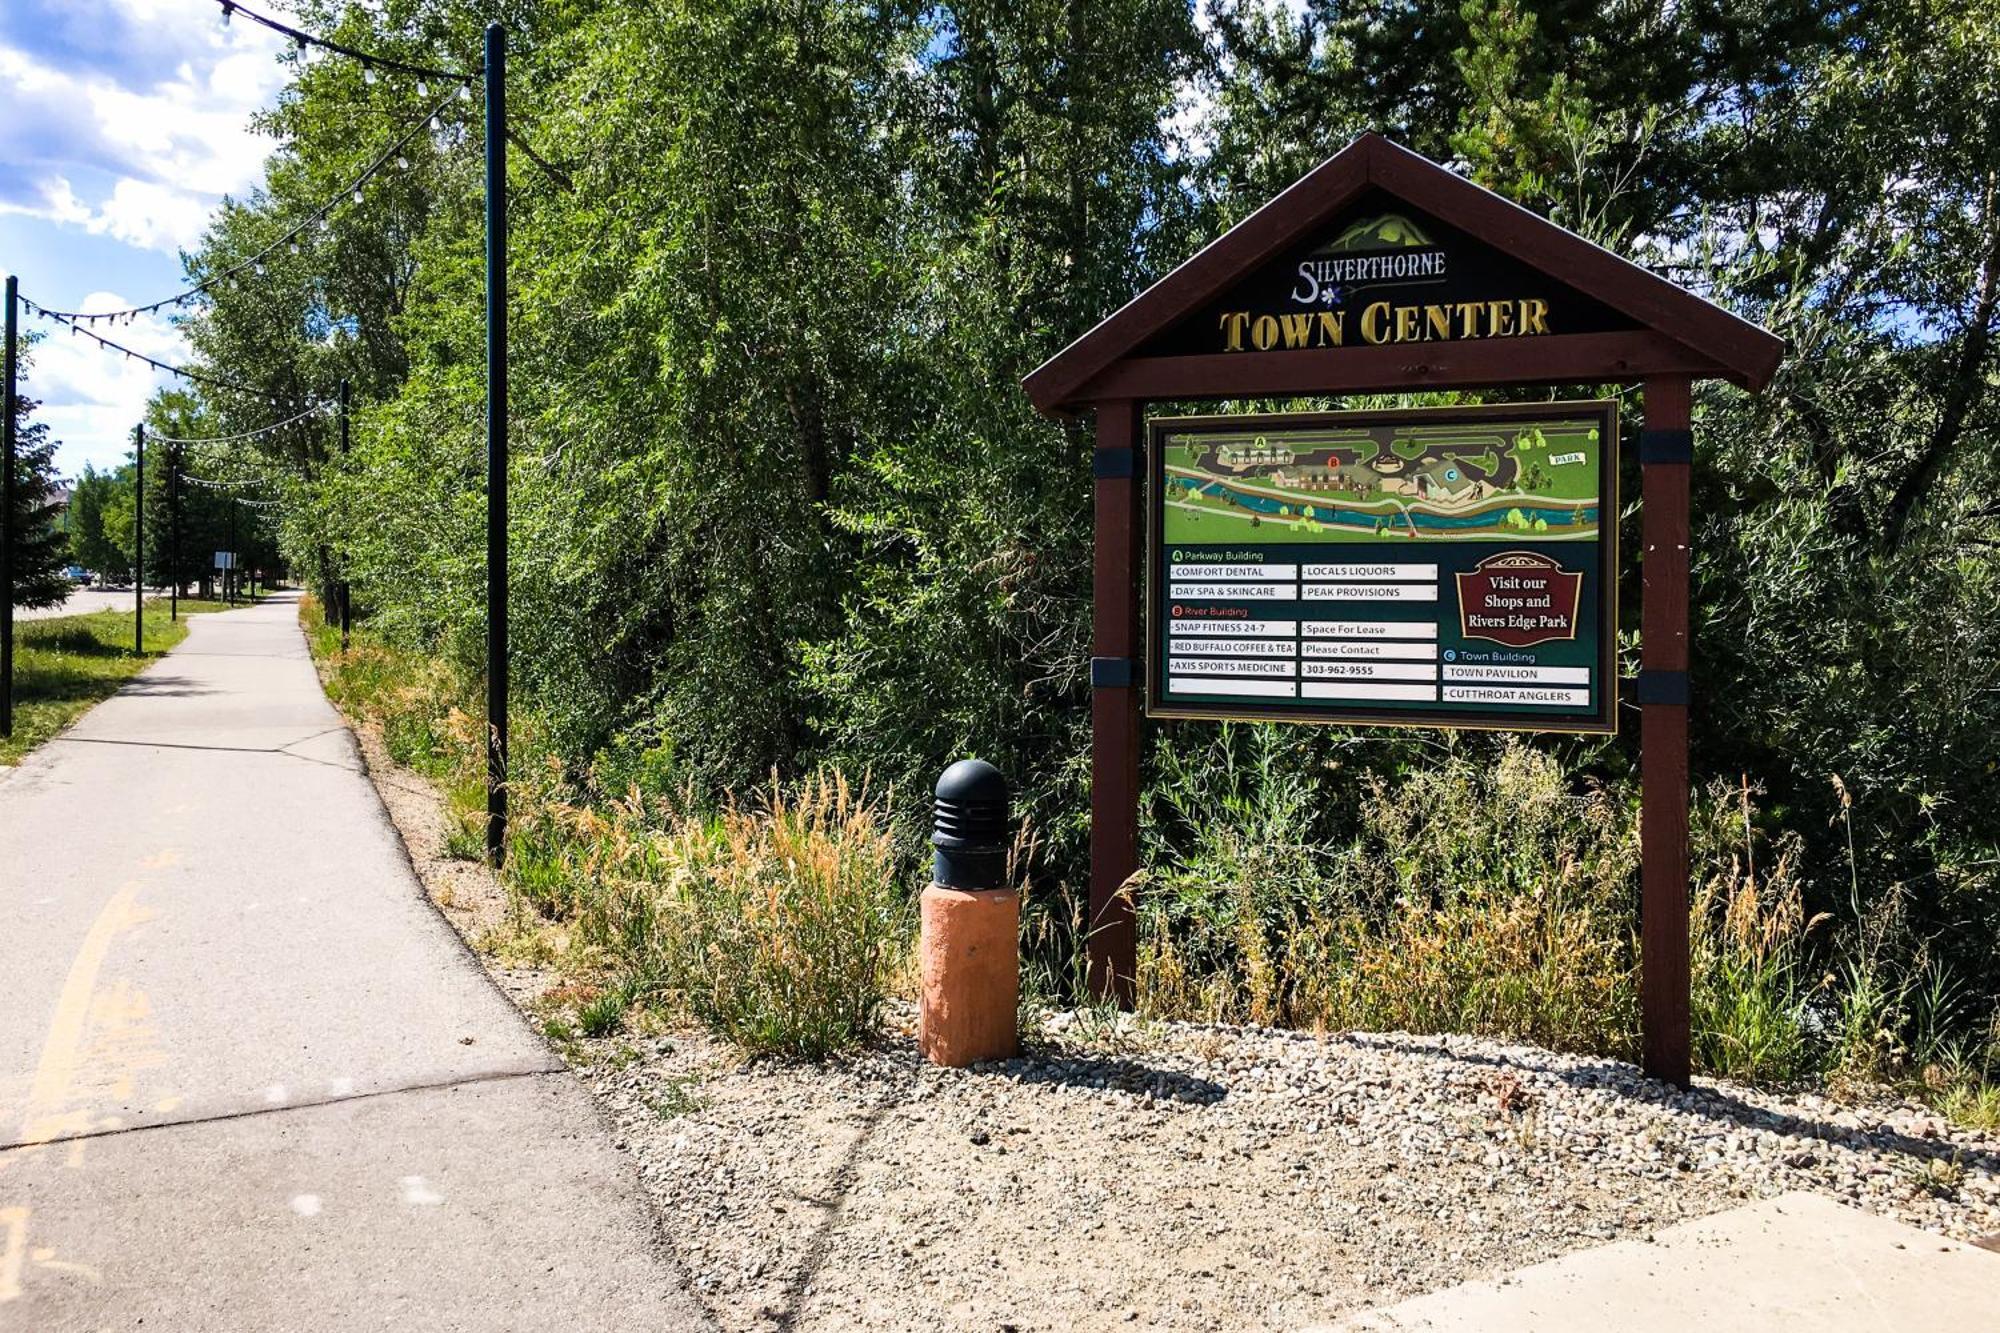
(84, 601)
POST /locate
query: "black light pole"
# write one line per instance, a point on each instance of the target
(229, 570)
(139, 542)
(7, 515)
(346, 619)
(173, 532)
(496, 443)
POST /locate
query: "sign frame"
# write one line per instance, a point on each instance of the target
(1670, 340)
(1603, 720)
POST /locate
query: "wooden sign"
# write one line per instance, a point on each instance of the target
(1381, 272)
(1448, 567)
(1384, 273)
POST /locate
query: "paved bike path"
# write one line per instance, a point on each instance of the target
(248, 1077)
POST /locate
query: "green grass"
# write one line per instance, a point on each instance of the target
(65, 664)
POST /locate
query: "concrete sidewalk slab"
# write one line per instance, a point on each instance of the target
(488, 1205)
(208, 840)
(1797, 1264)
(249, 1077)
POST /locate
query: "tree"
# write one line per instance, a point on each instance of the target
(89, 504)
(37, 548)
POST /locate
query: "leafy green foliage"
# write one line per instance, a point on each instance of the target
(779, 502)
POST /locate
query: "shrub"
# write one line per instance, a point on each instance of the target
(1475, 897)
(777, 927)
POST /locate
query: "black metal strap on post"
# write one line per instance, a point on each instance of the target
(1114, 673)
(1666, 446)
(1662, 687)
(1114, 464)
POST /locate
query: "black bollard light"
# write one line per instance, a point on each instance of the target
(970, 826)
(971, 923)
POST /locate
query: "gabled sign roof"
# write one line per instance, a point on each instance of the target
(1301, 295)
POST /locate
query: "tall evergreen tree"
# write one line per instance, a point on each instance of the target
(34, 525)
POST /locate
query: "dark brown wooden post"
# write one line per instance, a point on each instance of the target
(1115, 694)
(1665, 455)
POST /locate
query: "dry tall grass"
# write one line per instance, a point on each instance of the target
(777, 925)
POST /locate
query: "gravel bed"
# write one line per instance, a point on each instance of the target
(1193, 1177)
(1131, 1175)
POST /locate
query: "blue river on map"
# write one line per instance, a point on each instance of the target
(1266, 505)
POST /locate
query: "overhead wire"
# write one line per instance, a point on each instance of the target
(216, 484)
(192, 376)
(314, 410)
(368, 59)
(351, 189)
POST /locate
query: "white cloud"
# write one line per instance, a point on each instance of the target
(152, 216)
(167, 148)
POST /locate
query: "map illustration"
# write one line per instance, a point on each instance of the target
(1520, 480)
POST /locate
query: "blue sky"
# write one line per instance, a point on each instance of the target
(123, 123)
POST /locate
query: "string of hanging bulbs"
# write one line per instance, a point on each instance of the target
(395, 153)
(209, 483)
(275, 426)
(191, 376)
(371, 62)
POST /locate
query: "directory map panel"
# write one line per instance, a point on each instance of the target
(1446, 567)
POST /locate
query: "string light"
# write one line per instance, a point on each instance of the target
(302, 40)
(394, 152)
(192, 376)
(312, 411)
(212, 484)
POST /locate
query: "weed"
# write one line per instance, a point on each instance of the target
(602, 1016)
(1746, 931)
(778, 928)
(678, 1098)
(1477, 898)
(1939, 1177)
(1973, 1106)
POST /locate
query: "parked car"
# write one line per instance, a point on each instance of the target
(80, 576)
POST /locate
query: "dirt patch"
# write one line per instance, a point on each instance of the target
(1178, 1176)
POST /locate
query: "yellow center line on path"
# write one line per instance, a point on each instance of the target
(118, 1014)
(49, 1115)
